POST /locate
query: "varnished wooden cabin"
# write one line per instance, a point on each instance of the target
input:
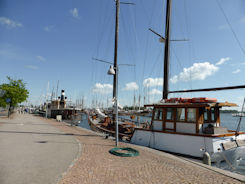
(188, 117)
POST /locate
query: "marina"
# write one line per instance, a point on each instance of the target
(122, 92)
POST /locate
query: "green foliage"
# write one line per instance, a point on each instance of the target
(14, 90)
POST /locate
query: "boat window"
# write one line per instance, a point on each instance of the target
(180, 114)
(158, 114)
(170, 114)
(213, 115)
(205, 115)
(191, 114)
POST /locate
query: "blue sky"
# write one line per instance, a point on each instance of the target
(43, 41)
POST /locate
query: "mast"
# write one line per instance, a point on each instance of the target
(166, 50)
(166, 40)
(115, 77)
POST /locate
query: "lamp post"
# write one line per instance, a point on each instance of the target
(114, 71)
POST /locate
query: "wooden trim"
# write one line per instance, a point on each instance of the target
(197, 120)
(181, 105)
(189, 134)
(190, 122)
(169, 129)
(186, 114)
(169, 120)
(217, 116)
(174, 114)
(164, 115)
(152, 118)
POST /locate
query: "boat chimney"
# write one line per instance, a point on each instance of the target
(62, 95)
(62, 99)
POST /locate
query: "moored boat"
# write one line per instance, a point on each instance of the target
(59, 110)
(102, 123)
(188, 126)
(239, 114)
(191, 128)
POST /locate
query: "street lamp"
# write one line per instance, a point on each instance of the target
(114, 71)
(111, 71)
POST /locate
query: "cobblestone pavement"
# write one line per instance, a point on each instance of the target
(97, 165)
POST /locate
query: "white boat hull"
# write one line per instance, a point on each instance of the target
(192, 145)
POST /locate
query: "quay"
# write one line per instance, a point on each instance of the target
(38, 150)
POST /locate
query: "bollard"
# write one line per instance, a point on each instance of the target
(206, 159)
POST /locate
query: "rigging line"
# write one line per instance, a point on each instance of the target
(191, 50)
(186, 20)
(178, 60)
(126, 32)
(228, 22)
(147, 40)
(100, 37)
(133, 17)
(156, 61)
(102, 32)
(188, 35)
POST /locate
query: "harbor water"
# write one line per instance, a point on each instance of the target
(227, 120)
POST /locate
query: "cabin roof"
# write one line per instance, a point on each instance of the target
(190, 105)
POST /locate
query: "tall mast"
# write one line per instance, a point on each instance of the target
(115, 77)
(166, 51)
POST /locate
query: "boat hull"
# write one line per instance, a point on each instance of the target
(94, 125)
(191, 145)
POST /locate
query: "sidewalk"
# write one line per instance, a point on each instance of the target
(97, 165)
(34, 152)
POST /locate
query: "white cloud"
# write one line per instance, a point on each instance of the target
(174, 79)
(222, 61)
(48, 28)
(236, 71)
(9, 23)
(74, 13)
(131, 86)
(102, 88)
(151, 82)
(40, 58)
(155, 92)
(198, 71)
(31, 67)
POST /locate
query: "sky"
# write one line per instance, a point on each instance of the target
(50, 44)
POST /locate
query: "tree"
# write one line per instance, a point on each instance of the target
(14, 92)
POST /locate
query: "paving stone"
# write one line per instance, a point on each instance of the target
(97, 165)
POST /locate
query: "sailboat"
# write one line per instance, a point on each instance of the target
(187, 126)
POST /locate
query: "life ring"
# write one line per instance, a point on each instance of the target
(130, 152)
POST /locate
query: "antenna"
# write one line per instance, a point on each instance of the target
(57, 90)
